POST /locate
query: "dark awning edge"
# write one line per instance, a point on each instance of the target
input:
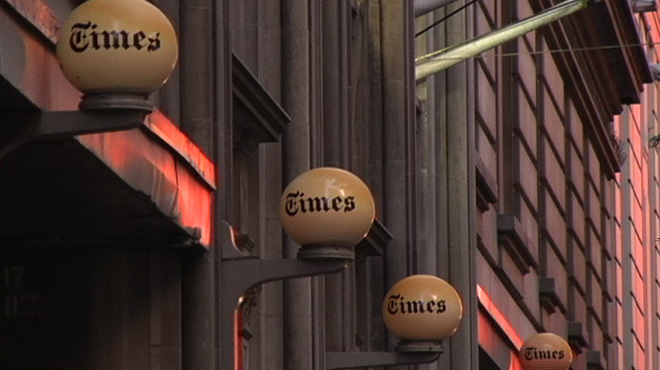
(122, 189)
(158, 124)
(162, 163)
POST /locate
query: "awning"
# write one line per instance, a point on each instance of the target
(443, 59)
(149, 186)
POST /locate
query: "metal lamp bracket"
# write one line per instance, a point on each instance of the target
(24, 126)
(346, 360)
(240, 271)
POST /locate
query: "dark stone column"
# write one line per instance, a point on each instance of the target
(296, 160)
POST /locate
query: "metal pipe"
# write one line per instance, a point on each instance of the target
(444, 59)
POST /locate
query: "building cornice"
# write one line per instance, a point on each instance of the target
(599, 77)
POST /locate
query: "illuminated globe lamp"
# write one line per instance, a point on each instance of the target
(422, 311)
(545, 351)
(327, 211)
(117, 52)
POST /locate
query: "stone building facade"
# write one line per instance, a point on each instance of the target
(565, 233)
(523, 177)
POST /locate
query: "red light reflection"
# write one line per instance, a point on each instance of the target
(500, 320)
(160, 161)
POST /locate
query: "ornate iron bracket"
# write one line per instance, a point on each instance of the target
(240, 271)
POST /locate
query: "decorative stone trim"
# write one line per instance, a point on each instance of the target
(257, 116)
(548, 296)
(576, 337)
(245, 244)
(511, 237)
(375, 242)
(486, 185)
(644, 6)
(595, 361)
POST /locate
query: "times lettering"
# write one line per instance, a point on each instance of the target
(397, 304)
(297, 202)
(532, 353)
(87, 35)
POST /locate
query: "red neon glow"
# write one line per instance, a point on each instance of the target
(496, 315)
(514, 361)
(171, 170)
(165, 130)
(238, 340)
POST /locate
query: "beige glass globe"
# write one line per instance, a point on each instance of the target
(422, 308)
(118, 46)
(327, 206)
(545, 351)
